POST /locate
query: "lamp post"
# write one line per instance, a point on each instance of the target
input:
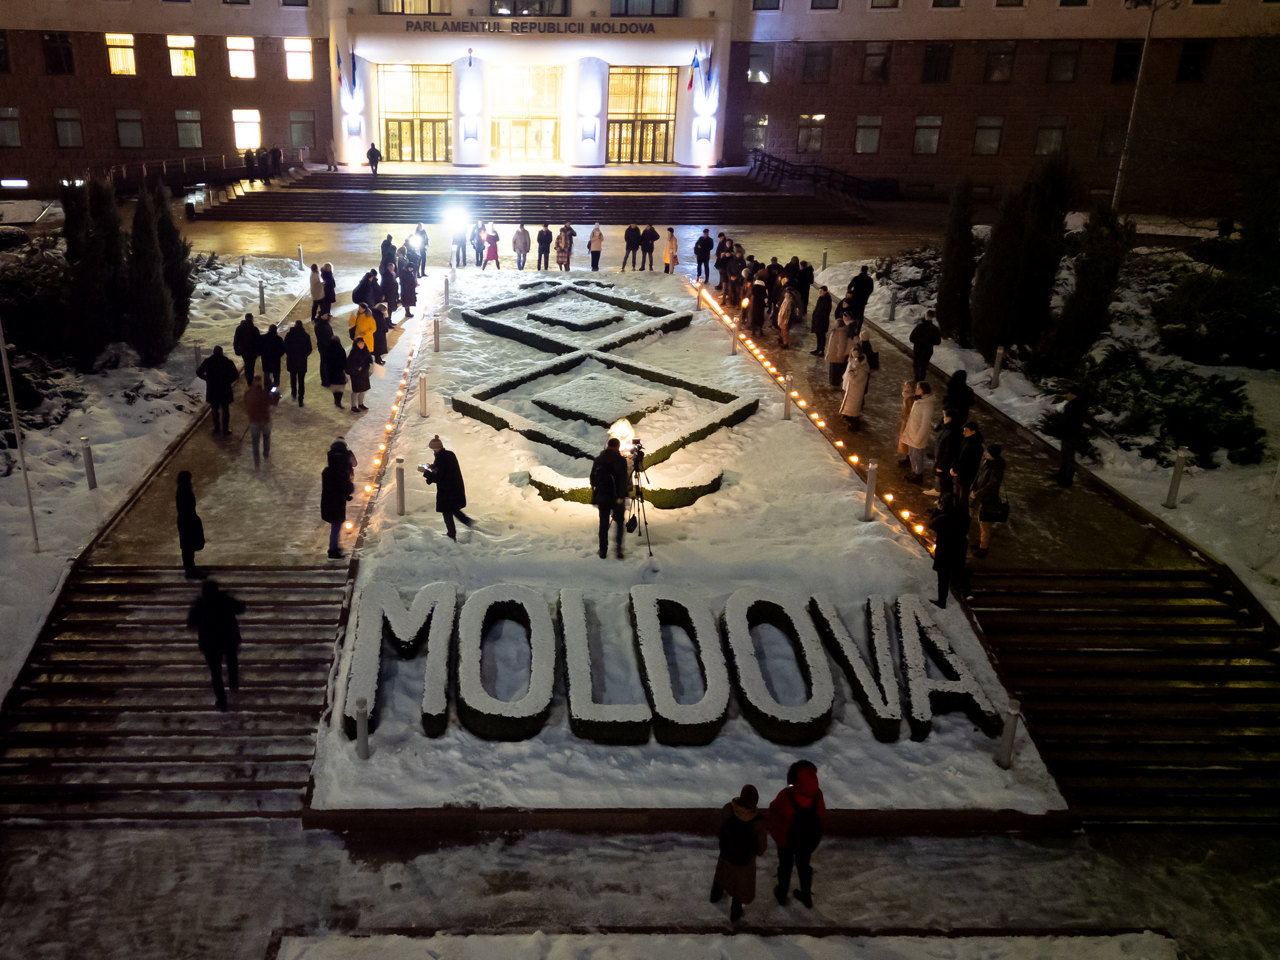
(1152, 6)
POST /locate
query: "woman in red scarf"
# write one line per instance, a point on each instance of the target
(795, 822)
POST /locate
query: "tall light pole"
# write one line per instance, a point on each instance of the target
(1152, 6)
(17, 432)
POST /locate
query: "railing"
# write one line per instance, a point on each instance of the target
(768, 169)
(215, 163)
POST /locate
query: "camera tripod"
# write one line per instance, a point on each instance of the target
(639, 518)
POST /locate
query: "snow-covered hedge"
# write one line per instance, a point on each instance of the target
(782, 723)
(615, 723)
(675, 723)
(875, 685)
(381, 616)
(956, 689)
(483, 714)
(704, 479)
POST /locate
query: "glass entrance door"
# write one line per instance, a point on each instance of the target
(399, 140)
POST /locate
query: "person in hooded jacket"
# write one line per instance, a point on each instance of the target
(648, 237)
(297, 347)
(219, 375)
(190, 527)
(333, 368)
(244, 343)
(796, 819)
(213, 617)
(451, 493)
(986, 495)
(336, 488)
(631, 246)
(317, 291)
(271, 350)
(359, 362)
(743, 837)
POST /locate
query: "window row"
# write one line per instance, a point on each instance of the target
(998, 61)
(988, 134)
(59, 55)
(246, 125)
(936, 4)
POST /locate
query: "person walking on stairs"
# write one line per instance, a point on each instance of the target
(219, 375)
(190, 527)
(297, 347)
(451, 494)
(743, 838)
(795, 820)
(213, 617)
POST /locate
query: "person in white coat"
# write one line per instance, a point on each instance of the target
(595, 243)
(670, 252)
(919, 430)
(856, 380)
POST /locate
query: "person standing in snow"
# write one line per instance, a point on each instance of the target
(545, 238)
(924, 337)
(520, 246)
(219, 375)
(702, 248)
(631, 246)
(860, 289)
(190, 527)
(743, 837)
(213, 617)
(670, 252)
(610, 488)
(297, 347)
(648, 238)
(359, 363)
(336, 489)
(317, 292)
(271, 349)
(821, 321)
(796, 819)
(244, 343)
(451, 493)
(595, 244)
(333, 368)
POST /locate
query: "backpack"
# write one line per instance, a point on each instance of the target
(738, 841)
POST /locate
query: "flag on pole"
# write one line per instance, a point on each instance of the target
(693, 67)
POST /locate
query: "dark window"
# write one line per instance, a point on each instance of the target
(755, 130)
(999, 66)
(809, 137)
(1124, 68)
(760, 63)
(937, 63)
(528, 8)
(1194, 60)
(817, 63)
(4, 52)
(1112, 140)
(1063, 57)
(58, 58)
(643, 8)
(875, 63)
(766, 4)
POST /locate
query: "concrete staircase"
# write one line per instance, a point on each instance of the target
(113, 715)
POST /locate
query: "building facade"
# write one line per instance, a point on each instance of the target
(919, 91)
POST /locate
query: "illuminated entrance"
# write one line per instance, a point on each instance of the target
(416, 112)
(642, 114)
(525, 113)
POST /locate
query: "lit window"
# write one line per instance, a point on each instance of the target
(875, 63)
(182, 56)
(66, 123)
(928, 132)
(248, 127)
(240, 57)
(866, 136)
(297, 58)
(189, 134)
(760, 63)
(809, 135)
(10, 132)
(129, 128)
(120, 54)
(1050, 135)
(755, 130)
(986, 136)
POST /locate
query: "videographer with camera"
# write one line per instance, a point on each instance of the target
(451, 495)
(610, 488)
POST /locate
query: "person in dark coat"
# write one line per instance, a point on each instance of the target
(1070, 436)
(821, 321)
(968, 459)
(359, 362)
(381, 327)
(213, 617)
(950, 526)
(190, 528)
(986, 496)
(610, 488)
(743, 837)
(251, 166)
(219, 374)
(408, 288)
(271, 350)
(336, 488)
(860, 289)
(244, 343)
(648, 238)
(545, 238)
(796, 819)
(924, 337)
(297, 347)
(702, 248)
(946, 447)
(330, 288)
(959, 397)
(451, 494)
(374, 156)
(333, 368)
(631, 246)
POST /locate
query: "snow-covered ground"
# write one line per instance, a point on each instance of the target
(540, 946)
(130, 416)
(785, 520)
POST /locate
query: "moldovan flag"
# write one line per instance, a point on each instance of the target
(692, 69)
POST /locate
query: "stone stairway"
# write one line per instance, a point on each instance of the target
(1153, 695)
(113, 716)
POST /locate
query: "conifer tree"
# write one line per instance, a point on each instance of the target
(955, 280)
(176, 252)
(150, 305)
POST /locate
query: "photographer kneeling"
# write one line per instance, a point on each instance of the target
(610, 488)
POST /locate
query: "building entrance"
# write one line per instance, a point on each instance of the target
(524, 110)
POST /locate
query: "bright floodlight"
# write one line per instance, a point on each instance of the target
(456, 219)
